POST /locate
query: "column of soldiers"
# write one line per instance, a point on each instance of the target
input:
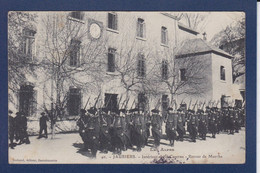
(123, 129)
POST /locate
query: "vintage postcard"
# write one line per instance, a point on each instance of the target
(126, 87)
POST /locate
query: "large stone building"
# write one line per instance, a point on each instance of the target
(122, 58)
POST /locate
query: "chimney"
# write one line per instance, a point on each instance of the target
(204, 36)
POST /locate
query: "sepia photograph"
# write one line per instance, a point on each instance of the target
(126, 87)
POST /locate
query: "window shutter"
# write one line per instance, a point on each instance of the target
(116, 22)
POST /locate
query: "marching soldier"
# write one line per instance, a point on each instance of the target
(92, 131)
(231, 120)
(127, 129)
(137, 131)
(82, 123)
(203, 123)
(156, 121)
(21, 123)
(193, 125)
(225, 119)
(180, 125)
(118, 137)
(212, 122)
(105, 124)
(43, 125)
(171, 125)
(144, 131)
(147, 119)
(237, 120)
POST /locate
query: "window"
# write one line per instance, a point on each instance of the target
(74, 101)
(164, 70)
(164, 35)
(74, 53)
(112, 21)
(111, 102)
(141, 101)
(140, 28)
(183, 74)
(77, 15)
(222, 73)
(28, 42)
(111, 60)
(141, 68)
(27, 100)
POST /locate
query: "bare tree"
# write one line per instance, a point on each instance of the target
(232, 40)
(21, 50)
(70, 58)
(195, 21)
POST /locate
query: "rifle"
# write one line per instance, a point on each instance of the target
(217, 103)
(203, 105)
(97, 100)
(132, 104)
(189, 103)
(195, 105)
(213, 103)
(119, 101)
(158, 103)
(209, 102)
(86, 103)
(126, 103)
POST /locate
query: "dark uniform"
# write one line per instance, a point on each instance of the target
(180, 125)
(127, 130)
(11, 128)
(156, 122)
(82, 123)
(225, 119)
(147, 120)
(105, 124)
(231, 120)
(137, 131)
(193, 125)
(118, 136)
(237, 120)
(43, 125)
(92, 131)
(213, 122)
(171, 125)
(21, 124)
(203, 124)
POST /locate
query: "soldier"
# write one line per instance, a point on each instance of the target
(156, 121)
(193, 125)
(147, 119)
(144, 131)
(212, 122)
(22, 120)
(237, 121)
(127, 129)
(43, 125)
(118, 137)
(105, 124)
(11, 128)
(82, 123)
(171, 125)
(219, 120)
(203, 123)
(231, 120)
(92, 131)
(137, 137)
(180, 125)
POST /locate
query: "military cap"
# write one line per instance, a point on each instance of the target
(43, 113)
(155, 110)
(170, 109)
(179, 110)
(207, 107)
(10, 111)
(83, 110)
(123, 110)
(92, 110)
(104, 110)
(135, 110)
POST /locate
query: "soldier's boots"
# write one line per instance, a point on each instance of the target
(213, 136)
(172, 143)
(139, 149)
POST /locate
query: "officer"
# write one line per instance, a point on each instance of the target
(11, 128)
(43, 125)
(105, 124)
(156, 121)
(193, 125)
(137, 131)
(171, 125)
(203, 123)
(93, 131)
(118, 137)
(180, 124)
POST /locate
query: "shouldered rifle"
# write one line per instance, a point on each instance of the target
(119, 101)
(194, 105)
(203, 105)
(97, 100)
(132, 104)
(86, 103)
(126, 103)
(190, 103)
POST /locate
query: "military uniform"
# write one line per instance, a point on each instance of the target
(118, 136)
(203, 124)
(105, 124)
(231, 120)
(137, 131)
(180, 125)
(21, 124)
(11, 128)
(171, 125)
(213, 122)
(156, 122)
(92, 131)
(193, 126)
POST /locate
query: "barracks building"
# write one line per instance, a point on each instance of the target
(120, 59)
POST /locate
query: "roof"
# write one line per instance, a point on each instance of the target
(186, 28)
(198, 46)
(170, 16)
